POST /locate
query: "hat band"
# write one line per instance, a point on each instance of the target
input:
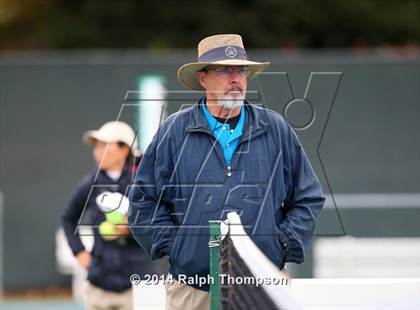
(223, 53)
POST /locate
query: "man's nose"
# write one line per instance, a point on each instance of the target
(234, 76)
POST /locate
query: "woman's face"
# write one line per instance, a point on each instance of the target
(110, 156)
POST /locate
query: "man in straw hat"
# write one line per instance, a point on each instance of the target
(223, 154)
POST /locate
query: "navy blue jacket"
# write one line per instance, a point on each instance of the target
(183, 182)
(113, 262)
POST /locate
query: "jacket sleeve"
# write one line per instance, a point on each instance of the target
(149, 214)
(72, 214)
(304, 200)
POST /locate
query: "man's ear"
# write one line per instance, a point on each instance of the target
(201, 77)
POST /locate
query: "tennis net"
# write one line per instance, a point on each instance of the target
(247, 279)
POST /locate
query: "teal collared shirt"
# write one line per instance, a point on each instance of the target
(227, 138)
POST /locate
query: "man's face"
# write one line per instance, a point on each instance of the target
(225, 85)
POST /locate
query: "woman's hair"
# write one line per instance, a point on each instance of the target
(130, 160)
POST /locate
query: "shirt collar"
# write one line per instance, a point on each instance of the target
(255, 118)
(215, 124)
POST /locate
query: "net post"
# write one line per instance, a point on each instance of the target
(214, 247)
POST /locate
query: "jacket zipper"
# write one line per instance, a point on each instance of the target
(227, 168)
(242, 140)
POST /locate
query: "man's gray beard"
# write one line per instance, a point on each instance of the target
(231, 102)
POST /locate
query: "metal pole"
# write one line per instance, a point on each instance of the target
(214, 246)
(150, 109)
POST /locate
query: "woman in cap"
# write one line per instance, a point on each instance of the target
(115, 255)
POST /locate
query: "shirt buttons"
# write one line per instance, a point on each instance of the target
(224, 128)
(227, 145)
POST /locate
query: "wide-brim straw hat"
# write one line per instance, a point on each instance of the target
(221, 49)
(113, 132)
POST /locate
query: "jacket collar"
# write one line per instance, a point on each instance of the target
(255, 123)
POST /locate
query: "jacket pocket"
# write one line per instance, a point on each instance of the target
(174, 253)
(280, 250)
